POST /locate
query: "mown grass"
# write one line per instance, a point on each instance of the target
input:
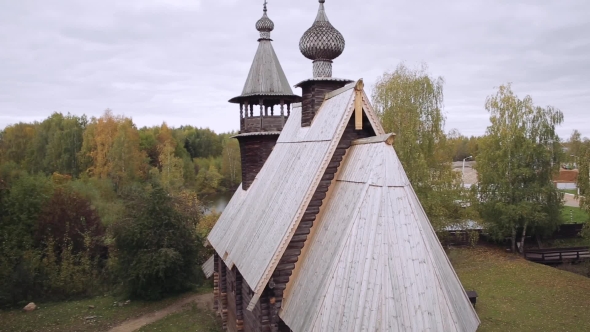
(574, 215)
(517, 295)
(193, 319)
(569, 191)
(71, 315)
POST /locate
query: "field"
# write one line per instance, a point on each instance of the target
(517, 295)
(72, 315)
(193, 319)
(574, 215)
(514, 295)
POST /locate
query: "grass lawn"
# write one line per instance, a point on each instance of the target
(574, 215)
(194, 319)
(517, 295)
(71, 316)
(570, 191)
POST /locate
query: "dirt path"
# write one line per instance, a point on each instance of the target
(202, 300)
(571, 201)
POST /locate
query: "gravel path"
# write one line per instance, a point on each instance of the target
(202, 300)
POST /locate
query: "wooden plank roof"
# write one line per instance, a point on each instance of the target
(208, 267)
(373, 261)
(266, 76)
(257, 225)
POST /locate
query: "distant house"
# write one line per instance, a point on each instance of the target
(326, 232)
(566, 179)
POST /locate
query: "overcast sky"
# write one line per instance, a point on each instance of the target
(179, 61)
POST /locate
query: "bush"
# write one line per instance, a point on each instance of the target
(157, 248)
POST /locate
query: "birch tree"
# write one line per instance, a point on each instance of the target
(516, 162)
(410, 104)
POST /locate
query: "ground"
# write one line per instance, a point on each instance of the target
(517, 295)
(514, 295)
(71, 316)
(574, 215)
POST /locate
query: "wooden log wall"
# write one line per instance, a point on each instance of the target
(216, 292)
(259, 318)
(231, 325)
(314, 93)
(284, 269)
(254, 151)
(222, 310)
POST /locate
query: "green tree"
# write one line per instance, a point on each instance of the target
(409, 103)
(157, 247)
(516, 162)
(127, 162)
(171, 167)
(583, 160)
(231, 163)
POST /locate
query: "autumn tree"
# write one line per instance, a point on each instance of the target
(516, 162)
(409, 103)
(127, 162)
(171, 167)
(112, 149)
(15, 143)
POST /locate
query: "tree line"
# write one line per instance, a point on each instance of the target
(98, 205)
(516, 159)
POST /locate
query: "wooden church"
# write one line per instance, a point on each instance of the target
(325, 232)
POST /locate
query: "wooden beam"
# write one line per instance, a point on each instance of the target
(358, 104)
(387, 138)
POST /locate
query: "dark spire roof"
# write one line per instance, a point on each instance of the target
(322, 43)
(266, 77)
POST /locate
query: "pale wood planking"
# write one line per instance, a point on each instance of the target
(207, 267)
(384, 275)
(253, 233)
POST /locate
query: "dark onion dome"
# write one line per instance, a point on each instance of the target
(322, 41)
(265, 25)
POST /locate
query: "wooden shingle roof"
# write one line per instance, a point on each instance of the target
(256, 226)
(373, 261)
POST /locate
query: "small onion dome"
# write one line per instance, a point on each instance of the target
(265, 25)
(322, 41)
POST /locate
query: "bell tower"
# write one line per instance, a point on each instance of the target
(265, 104)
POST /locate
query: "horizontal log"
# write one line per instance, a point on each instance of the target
(292, 252)
(299, 238)
(288, 259)
(308, 218)
(305, 224)
(312, 209)
(296, 245)
(328, 176)
(281, 279)
(289, 267)
(302, 231)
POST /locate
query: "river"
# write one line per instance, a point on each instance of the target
(217, 201)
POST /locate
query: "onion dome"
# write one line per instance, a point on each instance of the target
(322, 43)
(265, 25)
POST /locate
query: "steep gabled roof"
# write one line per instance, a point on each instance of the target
(257, 225)
(373, 261)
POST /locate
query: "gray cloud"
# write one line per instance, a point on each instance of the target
(179, 61)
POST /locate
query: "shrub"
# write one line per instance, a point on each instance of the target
(157, 248)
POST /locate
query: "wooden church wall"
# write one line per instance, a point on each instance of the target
(286, 265)
(254, 151)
